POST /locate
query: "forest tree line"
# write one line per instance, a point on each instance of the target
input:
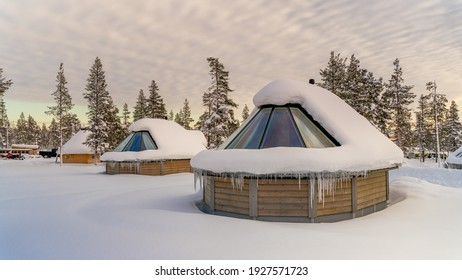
(386, 104)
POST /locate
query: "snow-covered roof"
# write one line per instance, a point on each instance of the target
(75, 144)
(24, 146)
(455, 157)
(362, 146)
(172, 140)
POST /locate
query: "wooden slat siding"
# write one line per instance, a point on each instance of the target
(284, 198)
(177, 166)
(79, 158)
(372, 189)
(112, 168)
(231, 200)
(208, 196)
(336, 203)
(150, 168)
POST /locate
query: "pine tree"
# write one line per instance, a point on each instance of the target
(63, 104)
(118, 133)
(54, 134)
(21, 130)
(245, 112)
(140, 109)
(438, 111)
(171, 116)
(422, 131)
(4, 124)
(71, 126)
(125, 116)
(217, 122)
(333, 76)
(44, 140)
(98, 106)
(186, 119)
(156, 106)
(453, 128)
(33, 131)
(397, 98)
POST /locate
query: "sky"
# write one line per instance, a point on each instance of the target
(257, 41)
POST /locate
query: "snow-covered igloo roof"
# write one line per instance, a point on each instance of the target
(75, 144)
(361, 146)
(455, 157)
(172, 142)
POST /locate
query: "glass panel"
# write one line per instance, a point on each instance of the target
(124, 143)
(250, 136)
(148, 142)
(312, 135)
(139, 141)
(281, 131)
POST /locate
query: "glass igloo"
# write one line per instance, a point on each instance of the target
(303, 155)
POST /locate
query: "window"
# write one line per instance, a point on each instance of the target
(281, 126)
(137, 141)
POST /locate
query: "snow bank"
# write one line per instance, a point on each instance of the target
(172, 140)
(75, 144)
(362, 148)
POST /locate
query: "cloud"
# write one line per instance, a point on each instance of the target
(257, 41)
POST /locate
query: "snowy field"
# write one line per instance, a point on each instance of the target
(78, 212)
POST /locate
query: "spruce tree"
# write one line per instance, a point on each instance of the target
(114, 124)
(438, 111)
(217, 122)
(396, 100)
(171, 116)
(156, 106)
(125, 116)
(98, 106)
(63, 105)
(453, 128)
(54, 134)
(140, 109)
(333, 76)
(4, 124)
(21, 130)
(423, 131)
(186, 118)
(245, 112)
(44, 140)
(33, 131)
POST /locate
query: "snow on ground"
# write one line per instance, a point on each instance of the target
(78, 212)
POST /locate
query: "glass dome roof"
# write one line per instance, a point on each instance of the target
(137, 141)
(281, 126)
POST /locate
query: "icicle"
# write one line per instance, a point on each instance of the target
(195, 179)
(299, 181)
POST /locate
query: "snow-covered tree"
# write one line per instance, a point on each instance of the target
(218, 121)
(117, 131)
(44, 139)
(33, 131)
(21, 130)
(99, 103)
(4, 123)
(125, 116)
(156, 106)
(245, 112)
(54, 134)
(70, 127)
(438, 111)
(171, 116)
(140, 109)
(453, 128)
(183, 117)
(423, 130)
(63, 105)
(397, 99)
(333, 76)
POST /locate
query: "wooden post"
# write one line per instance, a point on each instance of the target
(253, 198)
(212, 191)
(354, 196)
(161, 167)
